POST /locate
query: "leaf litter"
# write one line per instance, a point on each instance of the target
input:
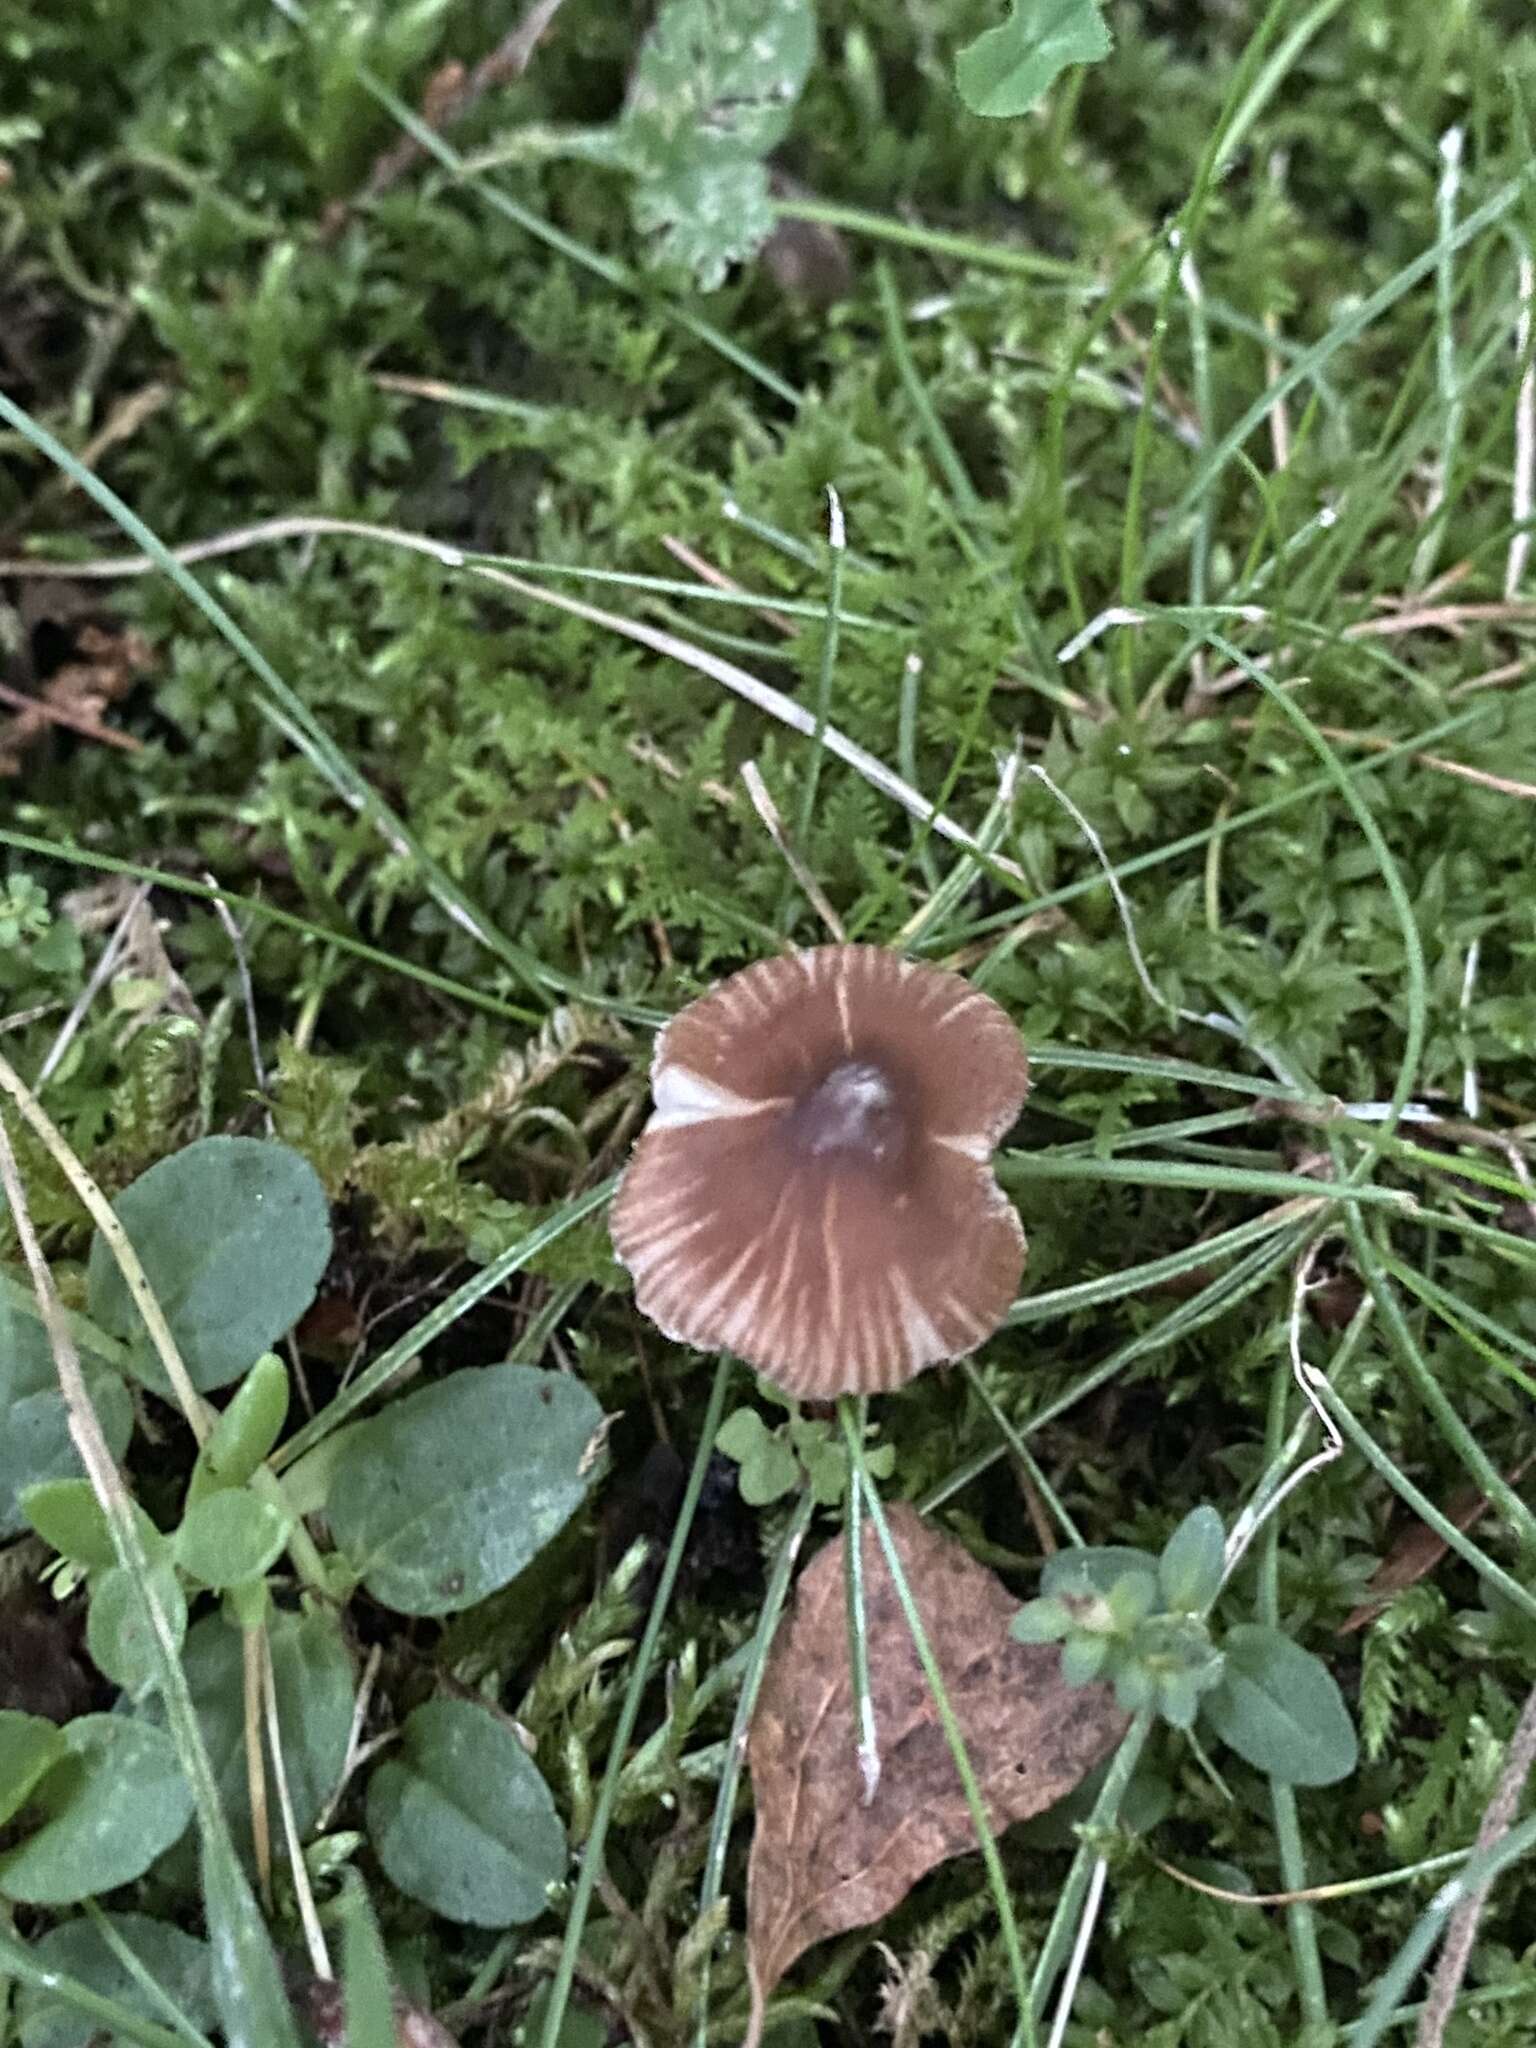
(822, 1860)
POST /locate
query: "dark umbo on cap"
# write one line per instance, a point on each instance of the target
(814, 1190)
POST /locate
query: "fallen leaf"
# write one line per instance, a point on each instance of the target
(822, 1861)
(77, 693)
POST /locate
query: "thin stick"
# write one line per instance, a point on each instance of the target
(109, 958)
(717, 579)
(52, 713)
(857, 1616)
(1471, 1093)
(768, 811)
(314, 1936)
(1068, 1995)
(1446, 196)
(247, 993)
(1307, 1378)
(252, 1641)
(1462, 1932)
(1523, 495)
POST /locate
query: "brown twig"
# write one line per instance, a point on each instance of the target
(450, 94)
(1379, 743)
(717, 579)
(1462, 1932)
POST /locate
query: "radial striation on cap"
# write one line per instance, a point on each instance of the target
(814, 1190)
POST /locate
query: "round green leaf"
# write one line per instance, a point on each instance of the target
(118, 1632)
(461, 1820)
(29, 1748)
(35, 1443)
(101, 1816)
(312, 1671)
(230, 1537)
(447, 1495)
(233, 1234)
(176, 1961)
(1278, 1706)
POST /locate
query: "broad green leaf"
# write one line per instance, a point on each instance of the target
(312, 1671)
(461, 1820)
(1189, 1570)
(70, 1520)
(29, 1748)
(703, 217)
(1008, 69)
(178, 1962)
(105, 1811)
(118, 1631)
(230, 1537)
(446, 1496)
(712, 93)
(1279, 1708)
(246, 1431)
(35, 1442)
(234, 1235)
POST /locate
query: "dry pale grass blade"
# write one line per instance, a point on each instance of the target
(760, 695)
(822, 1861)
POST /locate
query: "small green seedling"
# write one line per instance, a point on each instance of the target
(775, 1462)
(1143, 1625)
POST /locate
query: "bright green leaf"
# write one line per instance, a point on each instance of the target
(246, 1431)
(461, 1820)
(233, 1234)
(29, 1747)
(1278, 1706)
(105, 1811)
(1008, 69)
(447, 1494)
(230, 1537)
(70, 1520)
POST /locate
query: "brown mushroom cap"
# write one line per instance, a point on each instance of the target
(814, 1189)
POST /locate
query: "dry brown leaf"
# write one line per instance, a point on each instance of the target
(77, 694)
(822, 1861)
(1418, 1550)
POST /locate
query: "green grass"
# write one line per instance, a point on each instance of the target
(441, 795)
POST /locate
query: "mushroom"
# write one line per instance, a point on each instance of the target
(814, 1190)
